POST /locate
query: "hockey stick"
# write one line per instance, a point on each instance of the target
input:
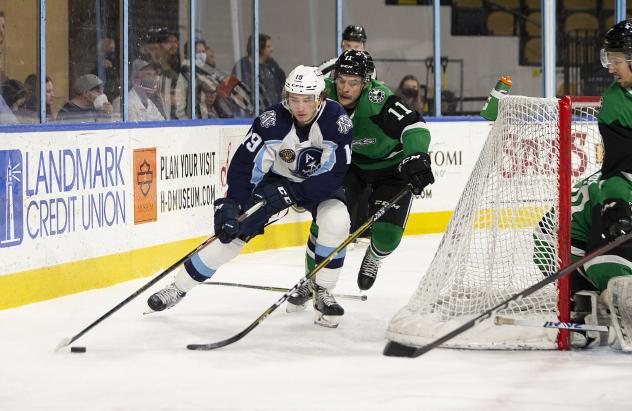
(69, 340)
(394, 349)
(282, 290)
(550, 324)
(378, 214)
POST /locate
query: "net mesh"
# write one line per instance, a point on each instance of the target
(502, 237)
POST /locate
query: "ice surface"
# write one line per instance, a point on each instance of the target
(136, 362)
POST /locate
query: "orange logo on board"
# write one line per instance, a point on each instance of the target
(145, 197)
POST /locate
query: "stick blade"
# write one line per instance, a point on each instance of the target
(63, 343)
(395, 349)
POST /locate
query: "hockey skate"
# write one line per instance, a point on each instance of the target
(165, 298)
(327, 311)
(298, 299)
(368, 270)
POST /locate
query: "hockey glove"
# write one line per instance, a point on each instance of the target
(226, 224)
(616, 218)
(278, 196)
(416, 169)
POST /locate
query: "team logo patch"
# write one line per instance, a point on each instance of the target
(376, 95)
(268, 118)
(344, 124)
(287, 155)
(363, 142)
(308, 162)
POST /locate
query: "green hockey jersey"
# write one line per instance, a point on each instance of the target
(385, 130)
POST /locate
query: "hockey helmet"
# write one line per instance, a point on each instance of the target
(354, 33)
(617, 39)
(305, 80)
(355, 62)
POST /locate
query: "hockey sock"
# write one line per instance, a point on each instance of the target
(204, 264)
(385, 238)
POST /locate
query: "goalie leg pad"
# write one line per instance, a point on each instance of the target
(619, 298)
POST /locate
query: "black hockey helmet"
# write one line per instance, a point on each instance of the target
(619, 37)
(354, 33)
(355, 62)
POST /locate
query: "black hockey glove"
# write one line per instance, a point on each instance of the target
(416, 169)
(616, 218)
(226, 224)
(278, 196)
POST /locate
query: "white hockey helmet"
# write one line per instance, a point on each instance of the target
(305, 80)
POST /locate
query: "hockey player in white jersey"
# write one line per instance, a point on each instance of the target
(296, 152)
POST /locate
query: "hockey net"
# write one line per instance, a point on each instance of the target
(517, 195)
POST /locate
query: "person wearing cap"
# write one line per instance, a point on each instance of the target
(141, 105)
(353, 38)
(88, 102)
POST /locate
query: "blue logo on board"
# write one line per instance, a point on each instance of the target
(11, 199)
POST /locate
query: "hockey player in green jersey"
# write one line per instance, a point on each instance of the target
(600, 204)
(389, 151)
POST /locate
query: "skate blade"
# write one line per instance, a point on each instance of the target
(294, 308)
(328, 321)
(149, 311)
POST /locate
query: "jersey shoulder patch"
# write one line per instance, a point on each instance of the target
(268, 119)
(376, 95)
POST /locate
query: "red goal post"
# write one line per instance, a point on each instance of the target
(570, 107)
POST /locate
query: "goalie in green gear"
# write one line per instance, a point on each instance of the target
(600, 204)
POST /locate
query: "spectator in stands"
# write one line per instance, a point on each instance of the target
(108, 68)
(206, 97)
(410, 91)
(144, 85)
(169, 63)
(209, 78)
(210, 56)
(88, 102)
(14, 94)
(6, 115)
(31, 106)
(271, 75)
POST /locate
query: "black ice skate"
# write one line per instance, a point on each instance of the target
(298, 299)
(165, 298)
(327, 311)
(368, 270)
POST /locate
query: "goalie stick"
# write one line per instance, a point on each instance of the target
(550, 324)
(395, 349)
(378, 214)
(282, 289)
(69, 340)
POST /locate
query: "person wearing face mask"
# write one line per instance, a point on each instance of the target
(409, 91)
(88, 102)
(144, 87)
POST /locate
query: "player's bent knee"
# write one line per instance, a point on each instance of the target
(333, 222)
(386, 236)
(217, 254)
